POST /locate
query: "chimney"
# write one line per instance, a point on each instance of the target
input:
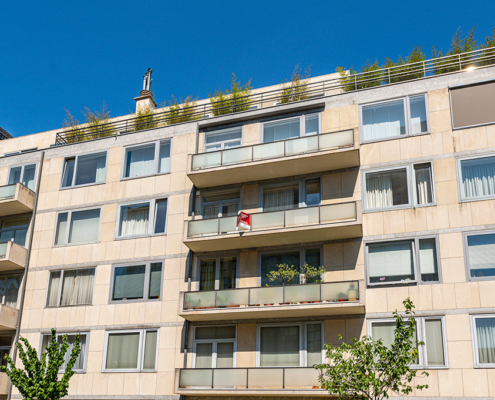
(145, 99)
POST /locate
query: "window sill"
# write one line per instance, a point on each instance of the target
(75, 244)
(133, 301)
(140, 236)
(393, 138)
(404, 207)
(69, 305)
(470, 200)
(122, 179)
(83, 186)
(116, 371)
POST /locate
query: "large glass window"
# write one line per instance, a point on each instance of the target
(214, 347)
(147, 159)
(9, 289)
(480, 258)
(131, 351)
(81, 360)
(477, 178)
(287, 196)
(14, 229)
(137, 282)
(84, 170)
(411, 260)
(75, 227)
(393, 119)
(484, 340)
(223, 139)
(5, 347)
(220, 203)
(217, 273)
(24, 174)
(304, 125)
(142, 219)
(71, 287)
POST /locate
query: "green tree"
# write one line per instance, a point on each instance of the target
(460, 44)
(145, 119)
(367, 369)
(296, 88)
(402, 70)
(39, 377)
(370, 76)
(72, 128)
(232, 100)
(98, 123)
(489, 42)
(182, 111)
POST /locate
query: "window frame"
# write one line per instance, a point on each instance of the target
(151, 220)
(11, 167)
(302, 192)
(147, 275)
(155, 160)
(217, 269)
(15, 228)
(303, 341)
(474, 341)
(142, 344)
(207, 132)
(60, 285)
(407, 117)
(416, 260)
(458, 164)
(7, 275)
(76, 159)
(421, 336)
(69, 220)
(7, 348)
(411, 186)
(302, 125)
(465, 246)
(86, 333)
(207, 203)
(214, 343)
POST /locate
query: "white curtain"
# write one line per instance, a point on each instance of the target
(418, 115)
(281, 130)
(379, 191)
(390, 260)
(71, 340)
(384, 120)
(384, 331)
(68, 287)
(53, 286)
(122, 350)
(279, 346)
(84, 226)
(140, 161)
(150, 350)
(135, 220)
(434, 342)
(481, 250)
(281, 198)
(428, 256)
(164, 161)
(423, 185)
(485, 334)
(210, 211)
(77, 287)
(478, 177)
(11, 290)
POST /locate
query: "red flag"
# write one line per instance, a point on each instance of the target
(243, 221)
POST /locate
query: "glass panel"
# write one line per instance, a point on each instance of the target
(267, 151)
(391, 262)
(478, 177)
(301, 145)
(235, 377)
(337, 212)
(195, 378)
(71, 340)
(313, 197)
(134, 219)
(227, 272)
(302, 216)
(234, 297)
(434, 342)
(384, 120)
(423, 184)
(195, 300)
(128, 282)
(68, 172)
(302, 293)
(314, 344)
(160, 216)
(312, 124)
(266, 296)
(281, 130)
(267, 220)
(223, 135)
(53, 286)
(339, 291)
(12, 291)
(204, 355)
(140, 161)
(302, 378)
(164, 157)
(228, 224)
(91, 169)
(281, 197)
(61, 229)
(207, 160)
(235, 143)
(481, 253)
(261, 378)
(418, 115)
(84, 226)
(242, 154)
(3, 249)
(225, 355)
(270, 262)
(428, 260)
(230, 209)
(203, 227)
(207, 274)
(210, 211)
(7, 192)
(28, 176)
(485, 335)
(384, 331)
(336, 139)
(150, 350)
(279, 346)
(386, 189)
(155, 281)
(313, 259)
(122, 351)
(15, 175)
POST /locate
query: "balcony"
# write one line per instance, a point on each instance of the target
(303, 155)
(299, 225)
(4, 384)
(16, 199)
(12, 256)
(8, 318)
(330, 298)
(289, 381)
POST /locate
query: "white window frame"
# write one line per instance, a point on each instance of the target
(217, 269)
(460, 189)
(147, 276)
(465, 236)
(155, 160)
(60, 285)
(421, 337)
(84, 333)
(151, 218)
(222, 143)
(474, 341)
(9, 275)
(303, 342)
(416, 260)
(411, 187)
(407, 117)
(142, 339)
(23, 166)
(218, 202)
(69, 220)
(302, 125)
(214, 343)
(15, 228)
(302, 191)
(76, 165)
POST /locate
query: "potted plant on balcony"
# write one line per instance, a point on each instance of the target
(311, 274)
(284, 275)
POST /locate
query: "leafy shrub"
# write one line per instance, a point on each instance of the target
(232, 100)
(296, 88)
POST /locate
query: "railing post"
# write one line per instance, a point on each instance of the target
(283, 294)
(212, 376)
(215, 299)
(424, 69)
(247, 378)
(355, 81)
(283, 378)
(249, 297)
(460, 64)
(389, 76)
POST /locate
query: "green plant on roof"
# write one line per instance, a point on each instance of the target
(296, 88)
(235, 99)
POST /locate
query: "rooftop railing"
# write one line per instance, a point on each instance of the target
(364, 80)
(266, 151)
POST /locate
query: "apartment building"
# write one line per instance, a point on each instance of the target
(129, 238)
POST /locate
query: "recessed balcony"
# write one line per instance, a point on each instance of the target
(302, 155)
(12, 256)
(329, 298)
(299, 225)
(8, 318)
(16, 199)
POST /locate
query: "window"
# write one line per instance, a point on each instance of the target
(304, 125)
(218, 273)
(14, 229)
(80, 365)
(142, 219)
(131, 350)
(429, 330)
(5, 346)
(9, 289)
(410, 260)
(483, 327)
(147, 159)
(70, 287)
(291, 195)
(290, 345)
(225, 203)
(270, 262)
(480, 255)
(214, 347)
(477, 178)
(394, 119)
(472, 105)
(223, 139)
(395, 188)
(141, 282)
(76, 227)
(82, 170)
(24, 174)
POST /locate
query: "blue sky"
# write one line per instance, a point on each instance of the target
(76, 54)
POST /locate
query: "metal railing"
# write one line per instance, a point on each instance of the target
(265, 151)
(323, 214)
(265, 378)
(310, 293)
(330, 87)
